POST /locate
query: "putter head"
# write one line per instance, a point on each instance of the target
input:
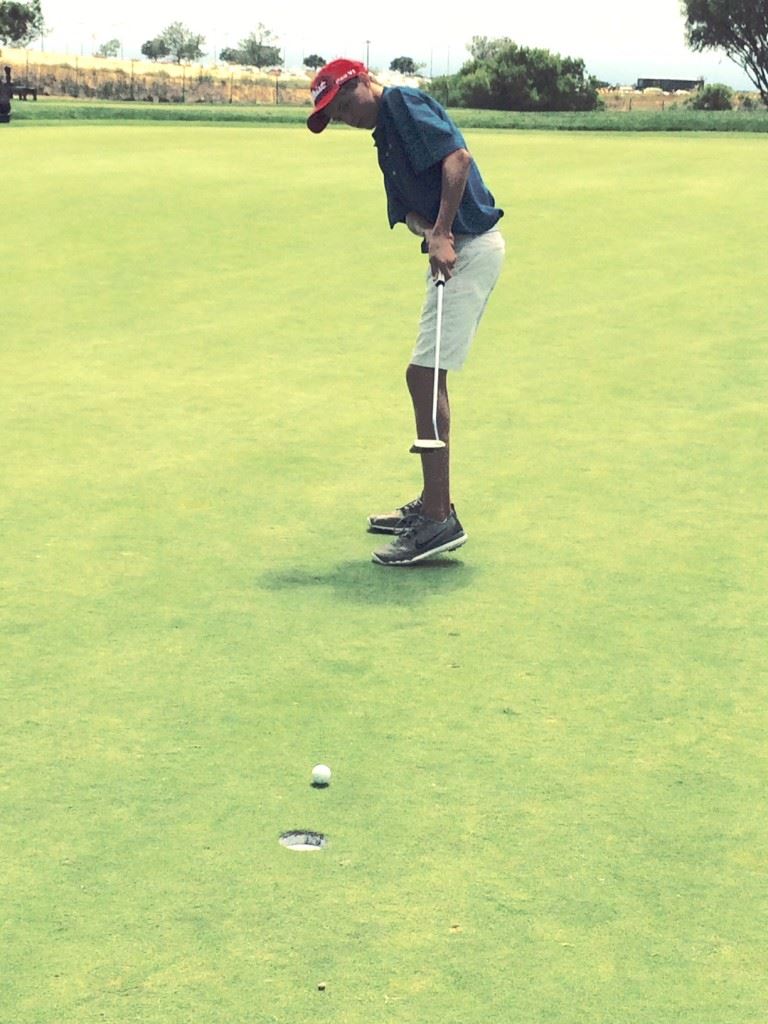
(426, 444)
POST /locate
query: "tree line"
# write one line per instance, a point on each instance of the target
(260, 49)
(499, 75)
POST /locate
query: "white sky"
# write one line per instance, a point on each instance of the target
(620, 40)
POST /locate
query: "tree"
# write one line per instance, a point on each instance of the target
(230, 55)
(314, 61)
(260, 50)
(740, 27)
(257, 50)
(484, 49)
(110, 49)
(155, 49)
(20, 24)
(505, 76)
(182, 43)
(405, 65)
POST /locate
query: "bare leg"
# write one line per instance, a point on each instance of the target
(435, 465)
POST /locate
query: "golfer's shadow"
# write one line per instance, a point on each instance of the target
(366, 583)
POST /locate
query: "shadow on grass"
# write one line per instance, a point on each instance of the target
(367, 583)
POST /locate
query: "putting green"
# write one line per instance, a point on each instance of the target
(548, 752)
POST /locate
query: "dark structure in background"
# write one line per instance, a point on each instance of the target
(6, 94)
(670, 84)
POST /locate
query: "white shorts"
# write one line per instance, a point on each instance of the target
(479, 259)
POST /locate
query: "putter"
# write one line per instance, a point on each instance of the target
(428, 444)
(419, 225)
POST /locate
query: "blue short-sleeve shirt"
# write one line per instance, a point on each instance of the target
(413, 135)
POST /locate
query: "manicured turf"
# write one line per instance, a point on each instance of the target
(549, 751)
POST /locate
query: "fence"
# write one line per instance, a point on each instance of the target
(175, 85)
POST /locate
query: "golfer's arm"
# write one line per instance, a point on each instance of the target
(454, 179)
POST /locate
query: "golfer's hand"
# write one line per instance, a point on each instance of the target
(442, 254)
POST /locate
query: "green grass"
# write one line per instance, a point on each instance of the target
(199, 113)
(549, 750)
(674, 119)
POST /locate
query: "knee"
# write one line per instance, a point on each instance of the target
(418, 378)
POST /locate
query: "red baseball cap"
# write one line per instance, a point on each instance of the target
(325, 86)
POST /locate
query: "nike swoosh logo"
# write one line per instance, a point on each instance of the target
(421, 546)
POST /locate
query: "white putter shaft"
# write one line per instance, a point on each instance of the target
(426, 444)
(419, 226)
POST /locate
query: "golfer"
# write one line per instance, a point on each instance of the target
(431, 181)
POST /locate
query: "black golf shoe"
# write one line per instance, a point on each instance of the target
(421, 540)
(397, 521)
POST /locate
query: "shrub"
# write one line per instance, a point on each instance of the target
(714, 97)
(505, 76)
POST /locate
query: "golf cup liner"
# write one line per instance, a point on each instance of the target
(303, 840)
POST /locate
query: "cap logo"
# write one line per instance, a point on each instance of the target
(352, 73)
(318, 91)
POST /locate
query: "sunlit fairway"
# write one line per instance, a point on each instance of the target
(548, 802)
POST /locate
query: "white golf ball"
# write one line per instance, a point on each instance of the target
(321, 775)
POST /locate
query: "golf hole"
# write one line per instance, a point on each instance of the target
(303, 841)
